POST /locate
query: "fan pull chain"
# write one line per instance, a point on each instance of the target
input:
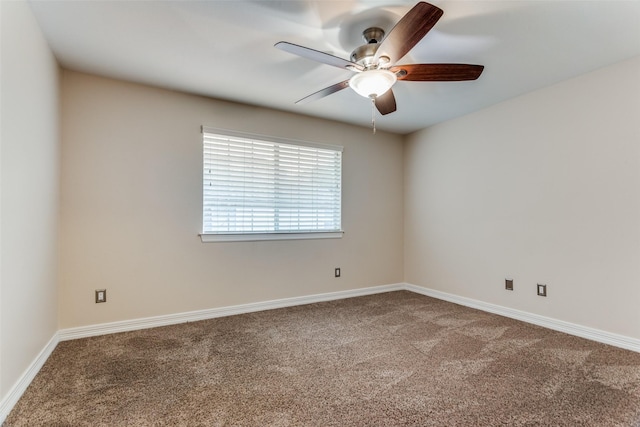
(373, 113)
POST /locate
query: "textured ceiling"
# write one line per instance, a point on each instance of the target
(224, 49)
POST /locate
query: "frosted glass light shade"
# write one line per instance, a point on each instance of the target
(372, 83)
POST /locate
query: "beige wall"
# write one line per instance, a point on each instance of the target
(29, 192)
(543, 188)
(131, 207)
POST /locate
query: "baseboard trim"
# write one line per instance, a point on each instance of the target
(193, 316)
(14, 394)
(604, 337)
(598, 335)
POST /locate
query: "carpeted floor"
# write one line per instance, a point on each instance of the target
(392, 359)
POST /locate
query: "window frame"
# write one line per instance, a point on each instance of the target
(269, 235)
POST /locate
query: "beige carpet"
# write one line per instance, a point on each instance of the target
(385, 360)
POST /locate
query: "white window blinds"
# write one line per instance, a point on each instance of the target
(259, 185)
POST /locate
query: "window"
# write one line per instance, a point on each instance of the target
(264, 188)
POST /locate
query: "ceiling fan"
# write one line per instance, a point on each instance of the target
(375, 62)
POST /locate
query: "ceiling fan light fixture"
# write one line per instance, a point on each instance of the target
(372, 83)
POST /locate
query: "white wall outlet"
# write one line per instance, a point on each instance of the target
(101, 295)
(542, 290)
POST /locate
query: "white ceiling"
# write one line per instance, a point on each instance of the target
(224, 49)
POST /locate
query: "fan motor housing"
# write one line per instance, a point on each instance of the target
(364, 54)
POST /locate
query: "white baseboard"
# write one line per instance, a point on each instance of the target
(8, 402)
(11, 398)
(193, 316)
(598, 335)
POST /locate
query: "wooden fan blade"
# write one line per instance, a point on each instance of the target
(324, 92)
(386, 103)
(408, 31)
(437, 72)
(316, 55)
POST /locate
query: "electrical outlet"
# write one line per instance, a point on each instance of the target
(337, 272)
(508, 284)
(542, 290)
(101, 295)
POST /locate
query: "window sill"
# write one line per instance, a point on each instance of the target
(209, 238)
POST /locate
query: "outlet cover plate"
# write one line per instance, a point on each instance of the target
(101, 295)
(542, 290)
(508, 284)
